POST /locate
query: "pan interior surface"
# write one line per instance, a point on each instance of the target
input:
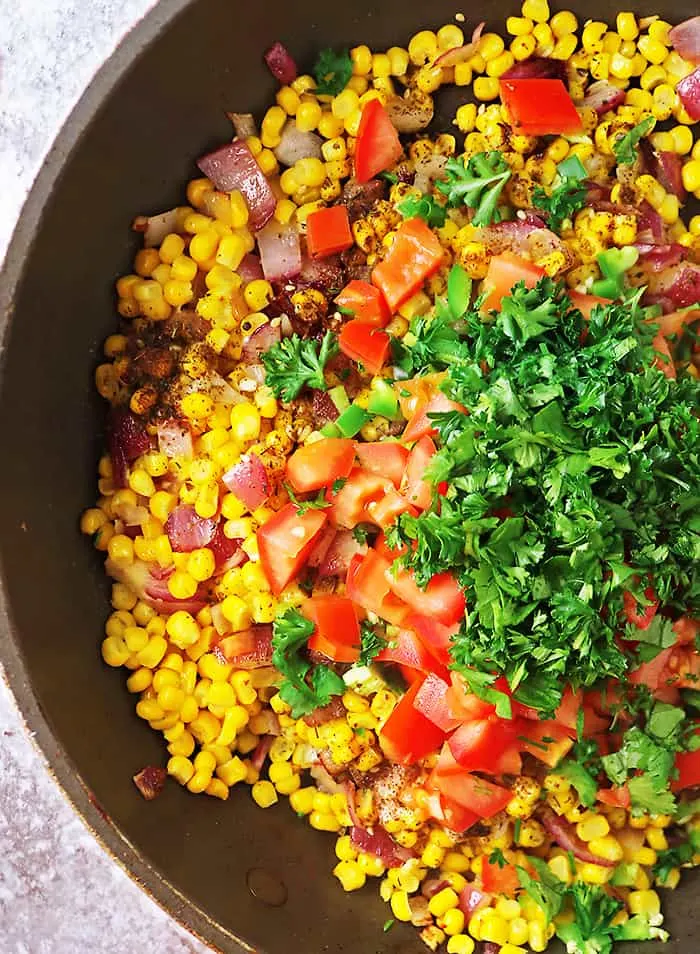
(132, 155)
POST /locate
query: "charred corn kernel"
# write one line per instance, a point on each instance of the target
(429, 79)
(465, 117)
(350, 875)
(146, 261)
(592, 35)
(665, 99)
(594, 826)
(486, 88)
(500, 64)
(532, 834)
(443, 901)
(691, 175)
(563, 23)
(600, 66)
(523, 47)
(460, 944)
(400, 907)
(196, 405)
(432, 856)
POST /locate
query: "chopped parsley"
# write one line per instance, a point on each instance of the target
(423, 207)
(332, 72)
(477, 184)
(290, 634)
(625, 146)
(596, 453)
(318, 502)
(581, 779)
(563, 202)
(297, 363)
(372, 643)
(675, 857)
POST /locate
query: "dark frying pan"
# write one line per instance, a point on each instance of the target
(239, 877)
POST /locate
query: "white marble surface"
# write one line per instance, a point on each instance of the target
(59, 892)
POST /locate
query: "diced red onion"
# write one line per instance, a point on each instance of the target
(261, 751)
(323, 409)
(565, 836)
(658, 257)
(233, 166)
(688, 90)
(243, 124)
(378, 842)
(188, 531)
(250, 649)
(250, 268)
(537, 67)
(150, 583)
(150, 781)
(351, 798)
(334, 710)
(322, 273)
(248, 481)
(685, 38)
(490, 948)
(427, 171)
(471, 899)
(325, 538)
(650, 221)
(342, 549)
(262, 339)
(174, 439)
(603, 96)
(280, 63)
(324, 779)
(460, 54)
(280, 251)
(295, 144)
(667, 167)
(227, 552)
(684, 290)
(433, 886)
(156, 227)
(127, 439)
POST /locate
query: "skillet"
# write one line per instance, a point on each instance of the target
(240, 878)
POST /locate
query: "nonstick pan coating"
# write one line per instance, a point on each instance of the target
(127, 149)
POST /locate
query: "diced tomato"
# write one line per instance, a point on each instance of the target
(420, 424)
(415, 392)
(317, 465)
(367, 586)
(406, 649)
(386, 458)
(499, 880)
(686, 629)
(505, 271)
(365, 344)
(349, 504)
(407, 735)
(414, 255)
(435, 636)
(377, 146)
(442, 598)
(465, 704)
(431, 700)
(386, 511)
(285, 541)
(664, 360)
(337, 633)
(384, 550)
(637, 614)
(688, 765)
(546, 740)
(456, 816)
(366, 303)
(477, 794)
(586, 303)
(568, 709)
(538, 107)
(653, 673)
(414, 487)
(328, 231)
(617, 797)
(486, 745)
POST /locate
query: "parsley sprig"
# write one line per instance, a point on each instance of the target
(332, 72)
(625, 146)
(424, 207)
(598, 457)
(297, 363)
(477, 184)
(291, 632)
(563, 202)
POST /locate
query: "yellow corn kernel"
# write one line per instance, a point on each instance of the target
(665, 99)
(545, 38)
(494, 928)
(442, 902)
(644, 856)
(691, 175)
(500, 64)
(460, 944)
(400, 907)
(594, 826)
(523, 47)
(423, 47)
(594, 874)
(644, 902)
(486, 88)
(519, 26)
(245, 423)
(491, 45)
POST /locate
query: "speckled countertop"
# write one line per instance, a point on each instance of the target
(59, 892)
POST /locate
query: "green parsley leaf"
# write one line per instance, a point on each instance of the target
(675, 857)
(360, 533)
(591, 931)
(658, 635)
(497, 858)
(388, 925)
(423, 207)
(547, 891)
(563, 202)
(582, 780)
(290, 635)
(318, 502)
(477, 184)
(625, 146)
(296, 363)
(332, 72)
(338, 484)
(372, 643)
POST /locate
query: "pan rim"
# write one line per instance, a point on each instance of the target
(54, 757)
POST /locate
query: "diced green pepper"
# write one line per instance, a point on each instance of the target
(572, 168)
(339, 397)
(625, 875)
(352, 420)
(613, 264)
(459, 291)
(330, 429)
(383, 400)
